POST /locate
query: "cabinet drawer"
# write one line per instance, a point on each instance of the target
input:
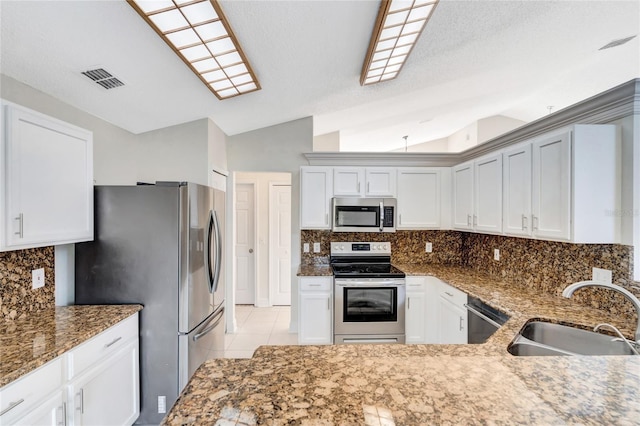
(453, 295)
(315, 284)
(416, 284)
(103, 344)
(24, 393)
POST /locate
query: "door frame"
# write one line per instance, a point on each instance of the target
(272, 258)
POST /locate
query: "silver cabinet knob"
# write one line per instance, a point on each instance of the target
(250, 250)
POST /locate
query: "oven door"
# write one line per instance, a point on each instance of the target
(369, 306)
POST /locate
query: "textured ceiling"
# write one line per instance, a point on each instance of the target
(475, 59)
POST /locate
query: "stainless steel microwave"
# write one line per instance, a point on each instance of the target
(364, 214)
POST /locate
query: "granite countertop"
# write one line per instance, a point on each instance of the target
(30, 343)
(423, 384)
(315, 270)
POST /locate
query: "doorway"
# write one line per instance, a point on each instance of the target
(245, 243)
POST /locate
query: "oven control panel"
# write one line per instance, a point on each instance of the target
(361, 248)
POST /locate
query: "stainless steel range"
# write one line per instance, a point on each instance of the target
(369, 294)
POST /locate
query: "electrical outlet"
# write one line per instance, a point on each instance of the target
(305, 247)
(496, 254)
(316, 247)
(37, 278)
(428, 247)
(603, 276)
(162, 404)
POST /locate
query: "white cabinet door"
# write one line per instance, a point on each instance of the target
(314, 327)
(316, 190)
(51, 412)
(315, 311)
(48, 194)
(348, 181)
(463, 196)
(453, 323)
(380, 182)
(516, 200)
(552, 187)
(418, 198)
(487, 215)
(452, 315)
(415, 310)
(108, 393)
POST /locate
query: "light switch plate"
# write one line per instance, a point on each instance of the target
(305, 247)
(496, 254)
(37, 278)
(316, 247)
(428, 247)
(603, 276)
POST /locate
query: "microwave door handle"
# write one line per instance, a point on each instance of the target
(381, 216)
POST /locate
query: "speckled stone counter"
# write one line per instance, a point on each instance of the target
(314, 270)
(424, 384)
(26, 344)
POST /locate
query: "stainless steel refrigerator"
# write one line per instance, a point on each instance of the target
(160, 246)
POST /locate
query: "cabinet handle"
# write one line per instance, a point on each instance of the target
(400, 218)
(468, 220)
(475, 220)
(534, 222)
(368, 186)
(113, 342)
(524, 222)
(81, 405)
(20, 232)
(461, 323)
(326, 218)
(11, 406)
(359, 188)
(314, 285)
(408, 303)
(62, 420)
(448, 294)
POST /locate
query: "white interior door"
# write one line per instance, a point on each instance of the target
(245, 244)
(280, 244)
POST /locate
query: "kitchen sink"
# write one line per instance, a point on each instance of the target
(539, 338)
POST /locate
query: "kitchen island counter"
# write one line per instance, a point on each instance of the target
(424, 384)
(32, 342)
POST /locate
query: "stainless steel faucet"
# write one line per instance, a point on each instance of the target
(568, 292)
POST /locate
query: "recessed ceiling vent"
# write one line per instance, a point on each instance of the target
(618, 42)
(104, 78)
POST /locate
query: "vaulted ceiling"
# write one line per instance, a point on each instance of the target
(475, 59)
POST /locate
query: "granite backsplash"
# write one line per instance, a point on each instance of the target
(17, 298)
(547, 266)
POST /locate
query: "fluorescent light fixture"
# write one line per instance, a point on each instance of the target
(396, 31)
(201, 36)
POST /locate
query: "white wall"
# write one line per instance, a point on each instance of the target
(436, 145)
(277, 149)
(327, 142)
(490, 127)
(464, 138)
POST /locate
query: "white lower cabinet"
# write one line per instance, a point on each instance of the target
(452, 315)
(108, 393)
(315, 311)
(415, 310)
(96, 383)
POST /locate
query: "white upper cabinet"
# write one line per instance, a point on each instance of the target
(564, 186)
(516, 211)
(463, 196)
(47, 190)
(487, 216)
(551, 188)
(316, 190)
(364, 182)
(380, 182)
(418, 198)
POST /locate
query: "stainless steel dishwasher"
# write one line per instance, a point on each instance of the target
(483, 320)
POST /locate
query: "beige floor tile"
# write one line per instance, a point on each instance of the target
(283, 339)
(248, 342)
(238, 354)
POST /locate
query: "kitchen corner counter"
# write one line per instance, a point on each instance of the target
(424, 384)
(314, 270)
(30, 343)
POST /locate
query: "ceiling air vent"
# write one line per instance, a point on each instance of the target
(104, 78)
(618, 42)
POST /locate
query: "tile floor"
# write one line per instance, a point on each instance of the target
(256, 327)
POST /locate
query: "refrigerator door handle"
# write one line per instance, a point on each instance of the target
(209, 329)
(218, 253)
(207, 253)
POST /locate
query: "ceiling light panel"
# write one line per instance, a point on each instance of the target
(397, 28)
(201, 36)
